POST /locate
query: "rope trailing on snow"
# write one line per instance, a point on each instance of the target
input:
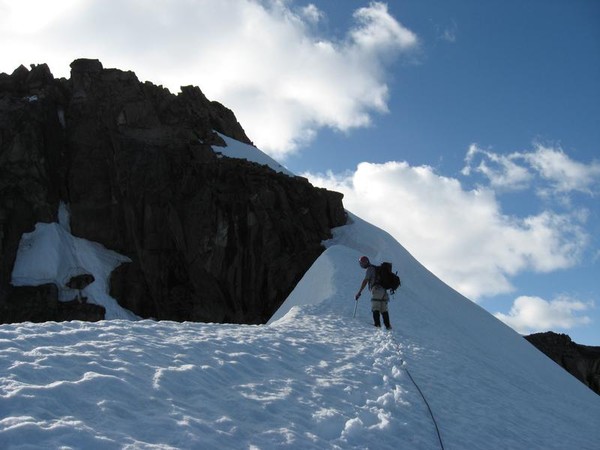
(437, 430)
(403, 364)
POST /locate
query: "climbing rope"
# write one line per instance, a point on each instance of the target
(403, 365)
(437, 430)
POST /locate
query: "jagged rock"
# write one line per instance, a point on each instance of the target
(210, 238)
(581, 361)
(80, 281)
(39, 76)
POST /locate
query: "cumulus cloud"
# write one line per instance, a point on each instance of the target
(262, 58)
(552, 170)
(563, 173)
(378, 32)
(312, 13)
(461, 235)
(501, 170)
(534, 314)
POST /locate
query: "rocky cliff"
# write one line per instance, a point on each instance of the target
(581, 361)
(210, 238)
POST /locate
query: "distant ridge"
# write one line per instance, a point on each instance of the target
(581, 361)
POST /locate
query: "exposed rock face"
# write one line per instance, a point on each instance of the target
(581, 361)
(210, 238)
(80, 281)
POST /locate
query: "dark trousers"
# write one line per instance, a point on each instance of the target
(386, 319)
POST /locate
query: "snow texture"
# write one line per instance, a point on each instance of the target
(314, 378)
(237, 149)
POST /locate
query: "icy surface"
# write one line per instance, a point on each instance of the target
(313, 379)
(237, 149)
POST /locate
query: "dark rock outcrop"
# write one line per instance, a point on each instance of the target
(581, 361)
(41, 304)
(210, 238)
(80, 281)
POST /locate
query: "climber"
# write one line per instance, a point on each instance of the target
(379, 295)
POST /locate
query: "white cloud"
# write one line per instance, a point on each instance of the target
(262, 58)
(312, 13)
(379, 32)
(554, 172)
(564, 174)
(27, 17)
(534, 314)
(460, 235)
(501, 170)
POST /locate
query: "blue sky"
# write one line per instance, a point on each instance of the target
(468, 130)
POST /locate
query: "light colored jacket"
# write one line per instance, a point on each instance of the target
(377, 292)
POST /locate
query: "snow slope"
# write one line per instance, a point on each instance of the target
(314, 378)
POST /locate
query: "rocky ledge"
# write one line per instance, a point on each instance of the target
(581, 361)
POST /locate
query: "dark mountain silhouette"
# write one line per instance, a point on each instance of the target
(581, 361)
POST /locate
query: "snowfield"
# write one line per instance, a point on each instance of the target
(313, 378)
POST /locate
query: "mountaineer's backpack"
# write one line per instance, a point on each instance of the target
(386, 278)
